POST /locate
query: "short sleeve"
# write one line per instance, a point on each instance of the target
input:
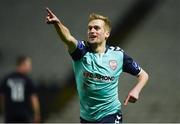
(80, 51)
(130, 66)
(31, 87)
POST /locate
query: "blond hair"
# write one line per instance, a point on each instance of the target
(94, 16)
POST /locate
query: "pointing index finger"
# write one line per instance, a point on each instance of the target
(127, 99)
(49, 11)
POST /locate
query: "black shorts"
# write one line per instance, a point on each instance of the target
(113, 118)
(18, 118)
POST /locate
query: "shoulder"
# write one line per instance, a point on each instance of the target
(130, 66)
(9, 75)
(81, 44)
(6, 78)
(80, 51)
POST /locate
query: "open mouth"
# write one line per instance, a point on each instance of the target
(92, 36)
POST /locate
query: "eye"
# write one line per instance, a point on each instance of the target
(89, 28)
(96, 28)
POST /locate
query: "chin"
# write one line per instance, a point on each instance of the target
(92, 42)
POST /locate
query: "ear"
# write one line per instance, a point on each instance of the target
(107, 34)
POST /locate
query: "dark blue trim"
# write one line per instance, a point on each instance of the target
(80, 51)
(130, 66)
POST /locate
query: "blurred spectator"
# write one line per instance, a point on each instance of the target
(18, 94)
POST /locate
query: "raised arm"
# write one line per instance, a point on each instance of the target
(62, 31)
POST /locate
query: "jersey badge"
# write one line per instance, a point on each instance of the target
(113, 64)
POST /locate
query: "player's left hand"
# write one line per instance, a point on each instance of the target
(132, 97)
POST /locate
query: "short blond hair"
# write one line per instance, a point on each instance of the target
(94, 16)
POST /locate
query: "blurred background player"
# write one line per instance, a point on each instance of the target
(97, 69)
(18, 92)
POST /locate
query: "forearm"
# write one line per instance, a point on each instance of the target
(62, 31)
(134, 93)
(35, 105)
(65, 36)
(142, 80)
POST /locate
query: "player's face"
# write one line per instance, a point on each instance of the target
(97, 33)
(27, 65)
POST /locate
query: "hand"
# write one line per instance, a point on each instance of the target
(132, 97)
(51, 17)
(37, 119)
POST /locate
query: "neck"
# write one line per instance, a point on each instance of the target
(20, 70)
(98, 48)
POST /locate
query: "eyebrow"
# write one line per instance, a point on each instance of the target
(93, 26)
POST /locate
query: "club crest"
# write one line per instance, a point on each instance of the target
(113, 64)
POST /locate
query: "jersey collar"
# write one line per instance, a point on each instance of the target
(90, 50)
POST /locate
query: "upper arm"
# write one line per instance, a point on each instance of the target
(31, 87)
(35, 102)
(80, 51)
(72, 44)
(130, 66)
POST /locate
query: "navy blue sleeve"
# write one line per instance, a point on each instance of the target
(80, 51)
(130, 66)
